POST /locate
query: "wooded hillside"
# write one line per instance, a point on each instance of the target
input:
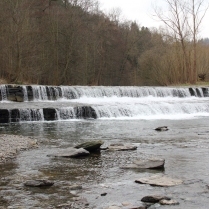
(56, 42)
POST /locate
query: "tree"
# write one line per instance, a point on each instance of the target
(183, 20)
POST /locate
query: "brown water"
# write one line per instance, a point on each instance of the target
(185, 148)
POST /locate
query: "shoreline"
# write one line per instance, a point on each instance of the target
(11, 145)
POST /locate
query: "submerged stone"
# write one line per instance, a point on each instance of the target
(75, 187)
(150, 163)
(70, 153)
(38, 183)
(159, 180)
(121, 147)
(90, 146)
(146, 164)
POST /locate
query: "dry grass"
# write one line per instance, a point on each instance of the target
(3, 81)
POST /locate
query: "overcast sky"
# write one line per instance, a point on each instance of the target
(142, 12)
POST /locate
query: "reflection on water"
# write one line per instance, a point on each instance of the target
(184, 148)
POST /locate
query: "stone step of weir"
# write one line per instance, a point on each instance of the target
(22, 93)
(16, 93)
(45, 114)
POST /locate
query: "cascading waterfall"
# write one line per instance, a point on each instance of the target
(25, 93)
(54, 93)
(31, 115)
(65, 113)
(101, 91)
(39, 93)
(3, 90)
(48, 103)
(198, 92)
(152, 110)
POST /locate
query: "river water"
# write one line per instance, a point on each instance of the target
(184, 147)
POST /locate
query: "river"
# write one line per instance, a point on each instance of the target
(184, 147)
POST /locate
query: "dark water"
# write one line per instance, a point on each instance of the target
(185, 148)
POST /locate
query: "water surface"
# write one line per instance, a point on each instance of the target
(184, 147)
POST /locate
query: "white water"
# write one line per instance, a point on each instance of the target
(116, 102)
(25, 93)
(39, 93)
(31, 115)
(65, 113)
(3, 91)
(120, 91)
(142, 108)
(75, 92)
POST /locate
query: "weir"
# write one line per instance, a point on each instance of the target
(26, 93)
(56, 103)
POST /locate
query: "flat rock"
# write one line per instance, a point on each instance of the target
(127, 207)
(38, 183)
(154, 198)
(121, 147)
(75, 187)
(70, 153)
(168, 202)
(147, 164)
(159, 180)
(90, 146)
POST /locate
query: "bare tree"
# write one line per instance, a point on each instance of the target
(197, 10)
(183, 19)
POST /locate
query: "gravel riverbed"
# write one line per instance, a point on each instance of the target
(11, 145)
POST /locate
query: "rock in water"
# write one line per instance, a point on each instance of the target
(154, 198)
(121, 147)
(70, 153)
(162, 128)
(150, 163)
(90, 146)
(168, 202)
(75, 187)
(159, 180)
(38, 183)
(146, 164)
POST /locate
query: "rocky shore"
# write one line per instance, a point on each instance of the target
(11, 145)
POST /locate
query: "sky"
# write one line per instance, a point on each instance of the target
(142, 11)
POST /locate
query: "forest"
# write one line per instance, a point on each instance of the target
(60, 42)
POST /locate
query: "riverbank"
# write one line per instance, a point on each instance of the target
(11, 145)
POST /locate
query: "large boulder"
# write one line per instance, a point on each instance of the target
(90, 146)
(70, 153)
